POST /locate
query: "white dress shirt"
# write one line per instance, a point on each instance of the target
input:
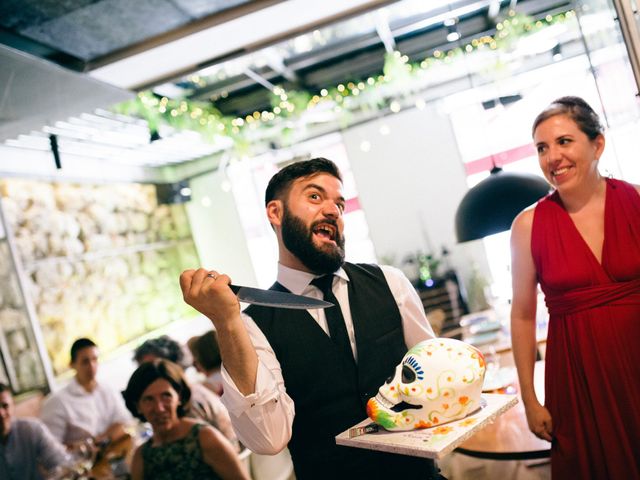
(263, 419)
(72, 413)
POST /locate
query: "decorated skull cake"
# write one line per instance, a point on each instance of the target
(438, 381)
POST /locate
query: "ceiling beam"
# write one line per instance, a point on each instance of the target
(179, 58)
(384, 32)
(276, 63)
(199, 25)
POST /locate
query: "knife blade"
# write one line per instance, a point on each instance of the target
(273, 298)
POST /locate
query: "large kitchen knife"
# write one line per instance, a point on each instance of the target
(273, 298)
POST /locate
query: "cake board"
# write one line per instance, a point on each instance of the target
(434, 442)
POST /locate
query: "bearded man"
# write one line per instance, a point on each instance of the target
(297, 377)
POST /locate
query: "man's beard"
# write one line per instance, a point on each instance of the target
(299, 240)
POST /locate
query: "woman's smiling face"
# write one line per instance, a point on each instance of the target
(567, 156)
(159, 405)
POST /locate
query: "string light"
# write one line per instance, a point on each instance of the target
(203, 116)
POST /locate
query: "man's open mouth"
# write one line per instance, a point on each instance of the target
(325, 230)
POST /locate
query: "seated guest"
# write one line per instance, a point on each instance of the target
(181, 448)
(207, 360)
(28, 451)
(160, 347)
(84, 408)
(205, 405)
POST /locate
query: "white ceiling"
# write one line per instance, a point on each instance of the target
(39, 99)
(237, 35)
(34, 93)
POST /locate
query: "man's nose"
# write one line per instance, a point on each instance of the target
(331, 209)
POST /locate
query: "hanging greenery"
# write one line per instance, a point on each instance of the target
(399, 77)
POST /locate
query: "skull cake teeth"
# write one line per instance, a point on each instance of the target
(438, 381)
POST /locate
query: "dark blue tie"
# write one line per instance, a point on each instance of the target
(335, 320)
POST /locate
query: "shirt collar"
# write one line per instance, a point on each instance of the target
(296, 281)
(76, 389)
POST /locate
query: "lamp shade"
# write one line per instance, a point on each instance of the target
(491, 205)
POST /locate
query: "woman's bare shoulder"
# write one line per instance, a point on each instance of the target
(524, 220)
(210, 434)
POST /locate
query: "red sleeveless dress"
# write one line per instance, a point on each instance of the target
(592, 384)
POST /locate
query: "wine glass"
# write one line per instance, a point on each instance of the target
(492, 361)
(84, 455)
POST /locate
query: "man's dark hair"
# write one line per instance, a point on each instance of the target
(161, 347)
(577, 110)
(149, 372)
(280, 183)
(5, 388)
(80, 344)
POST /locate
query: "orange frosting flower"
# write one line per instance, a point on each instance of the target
(422, 424)
(442, 430)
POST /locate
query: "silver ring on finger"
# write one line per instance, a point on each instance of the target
(212, 275)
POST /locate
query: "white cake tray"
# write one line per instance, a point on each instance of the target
(434, 442)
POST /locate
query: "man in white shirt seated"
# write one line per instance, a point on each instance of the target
(28, 451)
(84, 408)
(299, 378)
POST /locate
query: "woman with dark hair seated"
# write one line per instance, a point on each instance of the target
(205, 404)
(180, 447)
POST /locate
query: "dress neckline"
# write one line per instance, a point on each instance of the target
(591, 254)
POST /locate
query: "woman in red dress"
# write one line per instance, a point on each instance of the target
(581, 243)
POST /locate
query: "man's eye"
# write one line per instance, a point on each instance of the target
(541, 149)
(341, 207)
(314, 196)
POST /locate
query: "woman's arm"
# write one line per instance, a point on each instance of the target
(137, 465)
(219, 454)
(523, 322)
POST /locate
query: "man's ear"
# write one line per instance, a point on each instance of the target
(275, 211)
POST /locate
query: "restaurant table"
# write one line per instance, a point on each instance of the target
(509, 437)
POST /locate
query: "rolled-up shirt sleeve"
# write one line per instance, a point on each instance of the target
(263, 419)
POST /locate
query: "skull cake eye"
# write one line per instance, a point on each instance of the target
(408, 375)
(411, 371)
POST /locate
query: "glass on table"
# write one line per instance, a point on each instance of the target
(492, 360)
(82, 457)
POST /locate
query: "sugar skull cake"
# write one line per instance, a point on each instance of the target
(438, 381)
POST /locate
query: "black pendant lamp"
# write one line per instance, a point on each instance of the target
(491, 205)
